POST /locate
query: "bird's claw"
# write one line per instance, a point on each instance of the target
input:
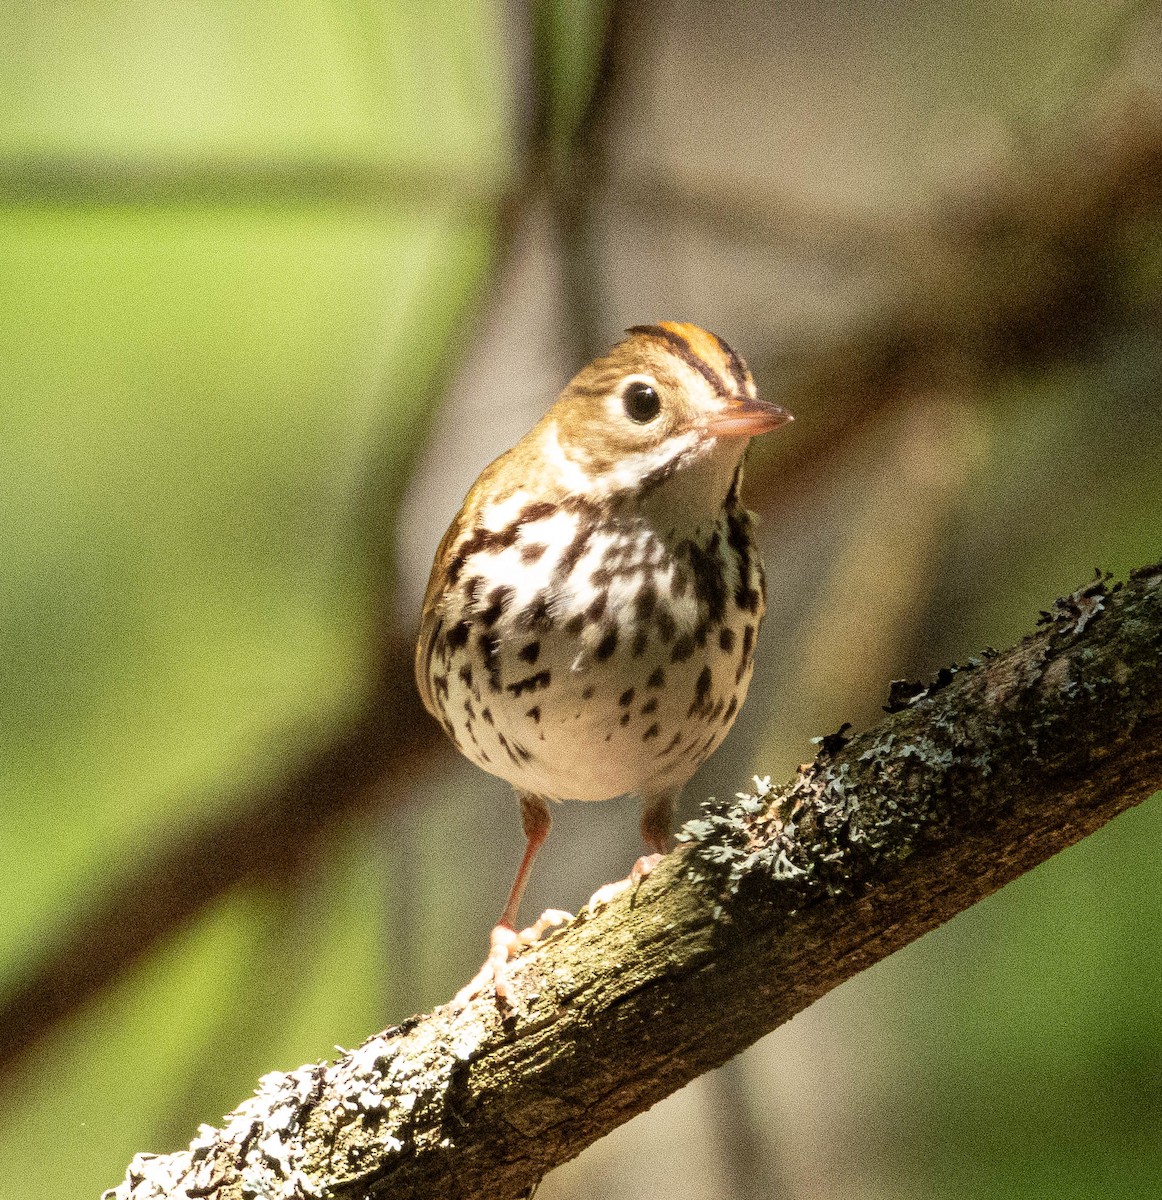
(549, 919)
(504, 944)
(643, 867)
(606, 893)
(611, 891)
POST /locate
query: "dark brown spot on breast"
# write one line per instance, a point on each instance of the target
(644, 601)
(701, 691)
(625, 718)
(683, 648)
(626, 697)
(534, 714)
(576, 548)
(726, 639)
(649, 707)
(458, 635)
(504, 743)
(665, 624)
(606, 646)
(747, 599)
(536, 617)
(747, 652)
(575, 624)
(652, 732)
(537, 511)
(640, 641)
(489, 645)
(498, 601)
(480, 539)
(587, 694)
(596, 610)
(738, 534)
(530, 683)
(709, 576)
(530, 652)
(486, 716)
(465, 674)
(657, 679)
(532, 553)
(731, 709)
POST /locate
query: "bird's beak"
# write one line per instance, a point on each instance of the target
(747, 418)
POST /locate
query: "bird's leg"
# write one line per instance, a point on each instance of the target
(657, 820)
(504, 940)
(656, 825)
(537, 821)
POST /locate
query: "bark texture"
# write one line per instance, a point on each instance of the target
(775, 899)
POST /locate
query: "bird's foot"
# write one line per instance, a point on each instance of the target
(610, 891)
(643, 867)
(505, 943)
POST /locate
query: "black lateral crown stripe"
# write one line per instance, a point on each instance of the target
(737, 370)
(686, 353)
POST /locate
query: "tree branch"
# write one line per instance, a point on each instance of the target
(776, 898)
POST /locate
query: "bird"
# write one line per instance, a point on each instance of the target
(590, 621)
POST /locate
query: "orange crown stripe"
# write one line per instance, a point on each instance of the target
(705, 345)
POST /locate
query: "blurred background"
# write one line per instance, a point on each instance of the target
(278, 279)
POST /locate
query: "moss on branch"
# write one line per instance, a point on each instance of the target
(776, 898)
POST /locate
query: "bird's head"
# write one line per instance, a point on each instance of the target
(670, 408)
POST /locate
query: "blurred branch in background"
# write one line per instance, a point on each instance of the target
(1015, 271)
(104, 181)
(972, 780)
(263, 839)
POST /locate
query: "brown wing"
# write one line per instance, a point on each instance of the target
(495, 481)
(433, 614)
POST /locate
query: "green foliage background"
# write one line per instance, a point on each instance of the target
(242, 249)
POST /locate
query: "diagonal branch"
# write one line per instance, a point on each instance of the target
(776, 899)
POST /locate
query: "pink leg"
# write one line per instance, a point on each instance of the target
(656, 822)
(534, 815)
(505, 940)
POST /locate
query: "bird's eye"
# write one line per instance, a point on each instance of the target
(641, 402)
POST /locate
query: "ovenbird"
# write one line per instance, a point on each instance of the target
(590, 620)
